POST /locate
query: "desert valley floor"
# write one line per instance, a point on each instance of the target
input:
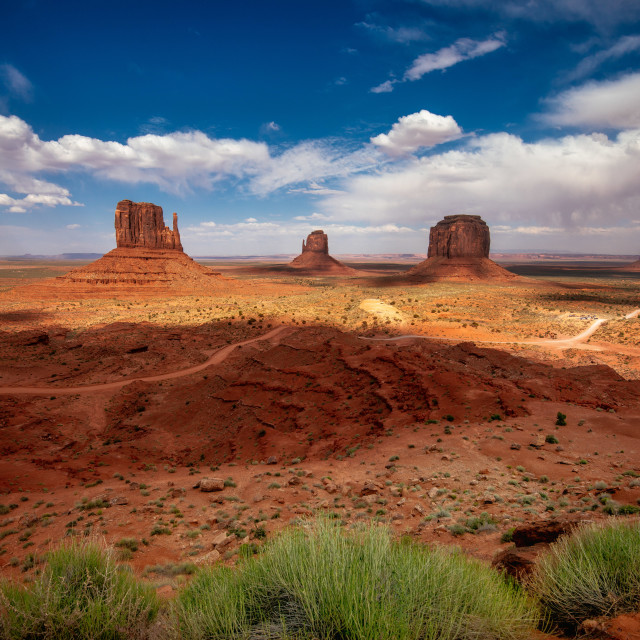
(430, 407)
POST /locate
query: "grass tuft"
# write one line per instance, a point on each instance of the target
(81, 593)
(593, 572)
(319, 581)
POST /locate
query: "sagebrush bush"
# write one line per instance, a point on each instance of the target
(591, 573)
(81, 594)
(320, 581)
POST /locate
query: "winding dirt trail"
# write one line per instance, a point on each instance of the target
(221, 354)
(216, 358)
(561, 343)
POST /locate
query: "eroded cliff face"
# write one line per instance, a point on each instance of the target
(459, 251)
(459, 236)
(141, 225)
(317, 242)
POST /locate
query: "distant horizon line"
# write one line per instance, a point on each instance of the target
(90, 255)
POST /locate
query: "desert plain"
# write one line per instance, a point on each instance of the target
(435, 408)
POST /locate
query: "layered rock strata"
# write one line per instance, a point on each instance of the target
(459, 236)
(315, 257)
(141, 225)
(148, 254)
(459, 251)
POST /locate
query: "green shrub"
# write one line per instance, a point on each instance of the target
(593, 572)
(561, 419)
(321, 582)
(81, 593)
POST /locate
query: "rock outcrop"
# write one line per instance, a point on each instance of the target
(315, 258)
(148, 257)
(317, 242)
(459, 251)
(459, 236)
(141, 224)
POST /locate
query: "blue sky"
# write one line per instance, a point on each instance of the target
(261, 121)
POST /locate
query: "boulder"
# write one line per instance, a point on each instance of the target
(545, 531)
(517, 563)
(210, 484)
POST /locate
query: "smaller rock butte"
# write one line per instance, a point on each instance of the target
(315, 257)
(459, 250)
(141, 224)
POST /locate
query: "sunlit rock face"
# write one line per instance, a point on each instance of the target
(141, 224)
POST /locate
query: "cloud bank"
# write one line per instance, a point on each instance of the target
(610, 104)
(176, 162)
(571, 182)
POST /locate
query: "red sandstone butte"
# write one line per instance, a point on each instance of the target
(315, 257)
(148, 258)
(141, 224)
(459, 250)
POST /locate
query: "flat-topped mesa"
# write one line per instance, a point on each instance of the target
(317, 241)
(459, 251)
(459, 236)
(141, 225)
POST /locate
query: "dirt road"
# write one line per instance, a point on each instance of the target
(562, 343)
(216, 358)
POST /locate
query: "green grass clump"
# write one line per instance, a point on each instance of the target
(81, 593)
(320, 581)
(594, 572)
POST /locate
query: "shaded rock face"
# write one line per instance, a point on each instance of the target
(141, 224)
(459, 251)
(315, 257)
(459, 236)
(317, 241)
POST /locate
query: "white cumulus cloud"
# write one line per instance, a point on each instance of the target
(574, 181)
(176, 162)
(421, 129)
(609, 104)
